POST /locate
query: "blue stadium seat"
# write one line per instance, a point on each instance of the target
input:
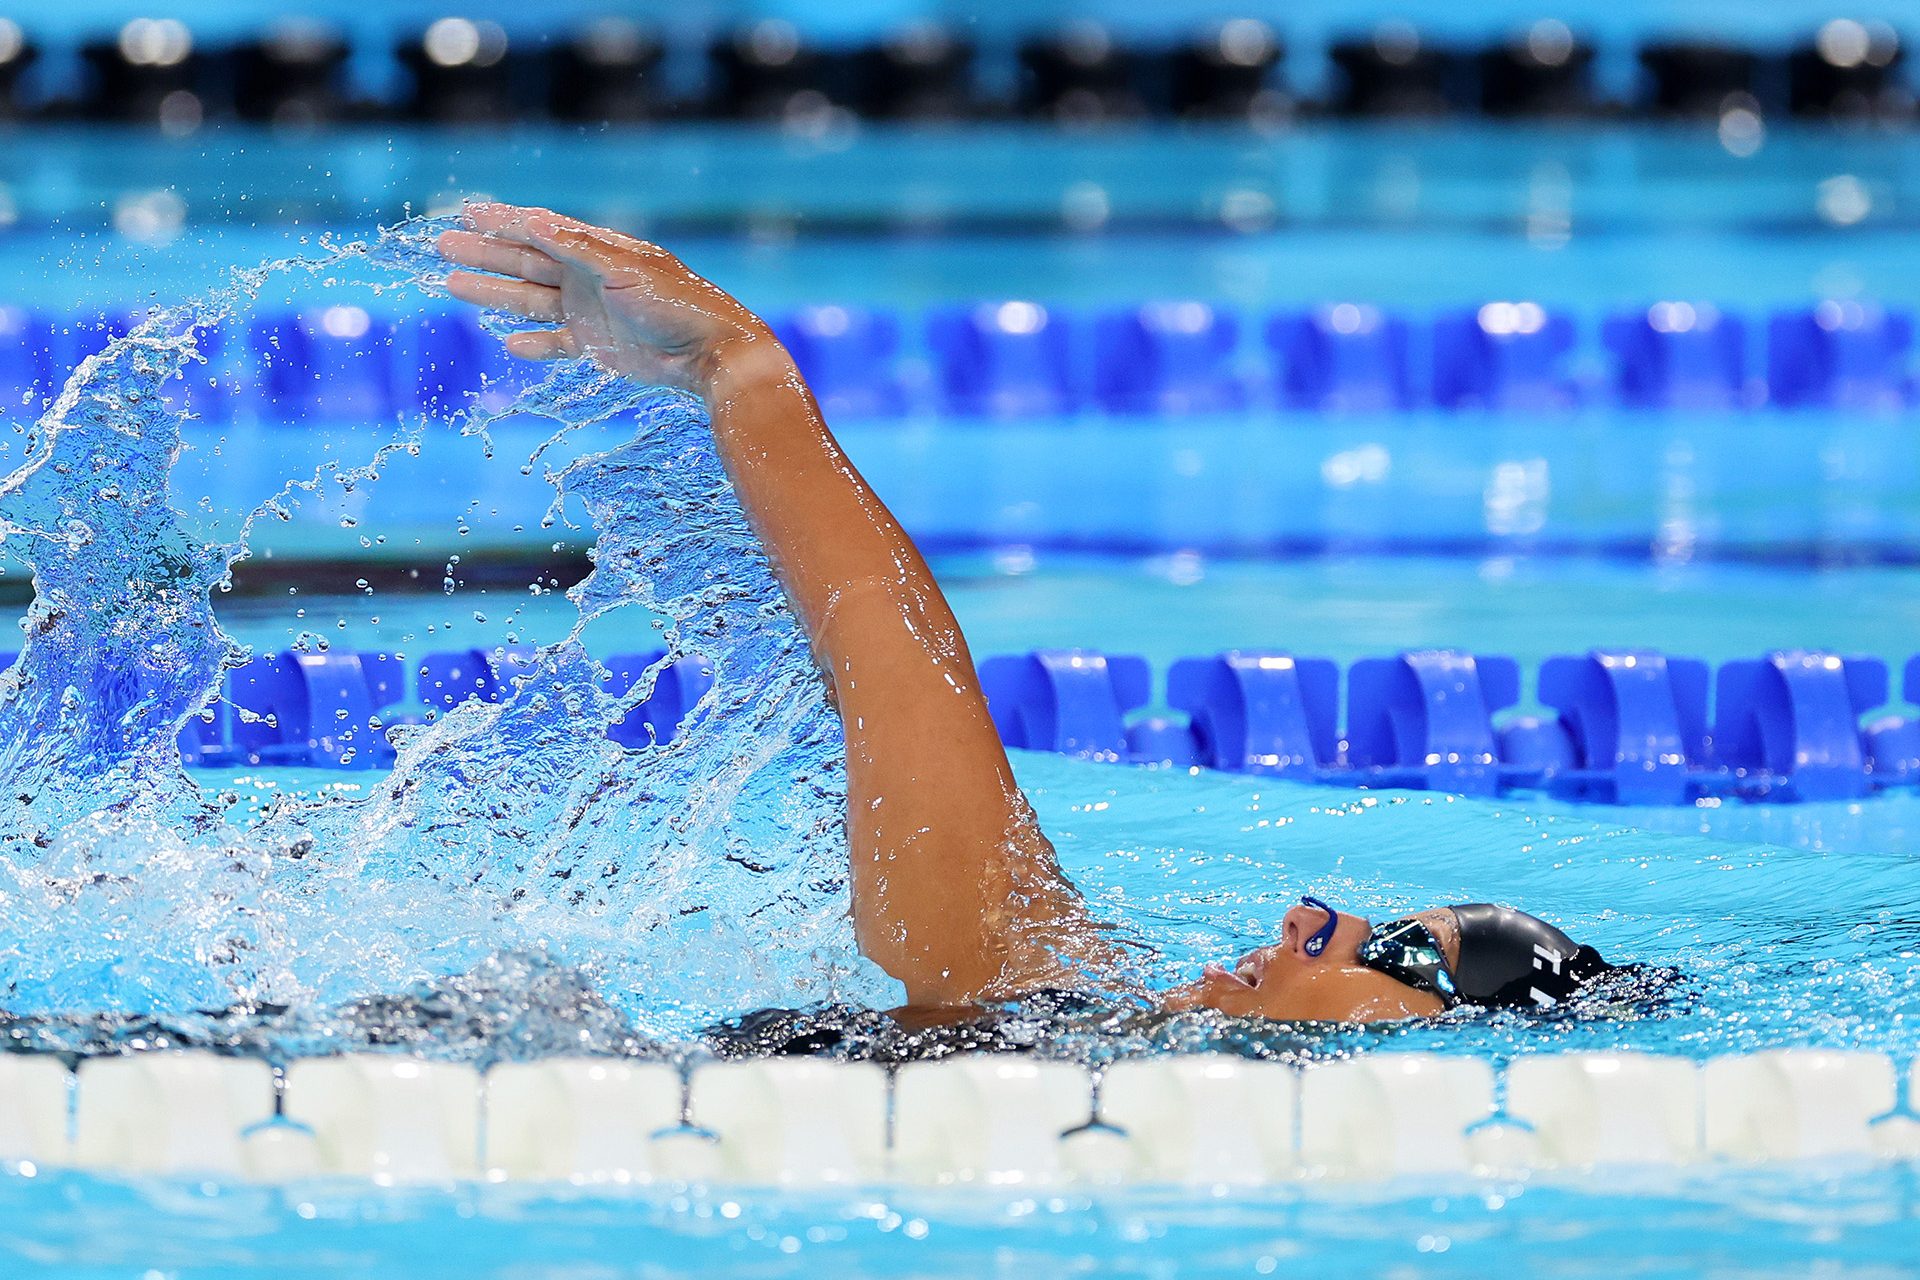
(1260, 712)
(1638, 722)
(443, 361)
(1004, 359)
(1344, 358)
(448, 679)
(849, 356)
(1071, 701)
(1425, 720)
(1790, 722)
(335, 363)
(1678, 355)
(1168, 357)
(676, 690)
(1508, 356)
(1842, 355)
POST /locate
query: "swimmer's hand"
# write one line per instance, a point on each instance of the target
(631, 305)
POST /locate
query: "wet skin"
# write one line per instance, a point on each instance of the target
(955, 890)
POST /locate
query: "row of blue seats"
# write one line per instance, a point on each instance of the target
(1627, 726)
(1017, 358)
(332, 709)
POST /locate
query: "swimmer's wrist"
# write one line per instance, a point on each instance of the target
(740, 364)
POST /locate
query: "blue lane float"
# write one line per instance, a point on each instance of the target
(1259, 712)
(1791, 721)
(1511, 357)
(331, 710)
(1169, 358)
(1840, 355)
(1628, 726)
(1425, 720)
(1345, 358)
(1017, 359)
(1635, 722)
(850, 356)
(1069, 701)
(1006, 359)
(1678, 355)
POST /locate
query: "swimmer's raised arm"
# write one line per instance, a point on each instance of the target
(956, 892)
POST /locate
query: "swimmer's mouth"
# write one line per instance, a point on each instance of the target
(1246, 972)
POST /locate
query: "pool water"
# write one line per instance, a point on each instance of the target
(1827, 1221)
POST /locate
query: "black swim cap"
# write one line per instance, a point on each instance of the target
(1508, 957)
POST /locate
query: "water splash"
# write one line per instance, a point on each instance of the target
(679, 882)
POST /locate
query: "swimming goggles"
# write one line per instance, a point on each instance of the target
(1407, 951)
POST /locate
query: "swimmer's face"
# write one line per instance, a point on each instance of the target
(1282, 981)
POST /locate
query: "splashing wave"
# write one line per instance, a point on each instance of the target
(513, 839)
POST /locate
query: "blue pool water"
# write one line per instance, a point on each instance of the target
(134, 893)
(1828, 1221)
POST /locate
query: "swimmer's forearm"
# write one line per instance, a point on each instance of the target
(826, 530)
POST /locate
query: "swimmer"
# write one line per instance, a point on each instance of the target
(956, 891)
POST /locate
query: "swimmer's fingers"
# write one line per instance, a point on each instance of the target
(509, 221)
(502, 257)
(572, 241)
(534, 301)
(610, 257)
(544, 344)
